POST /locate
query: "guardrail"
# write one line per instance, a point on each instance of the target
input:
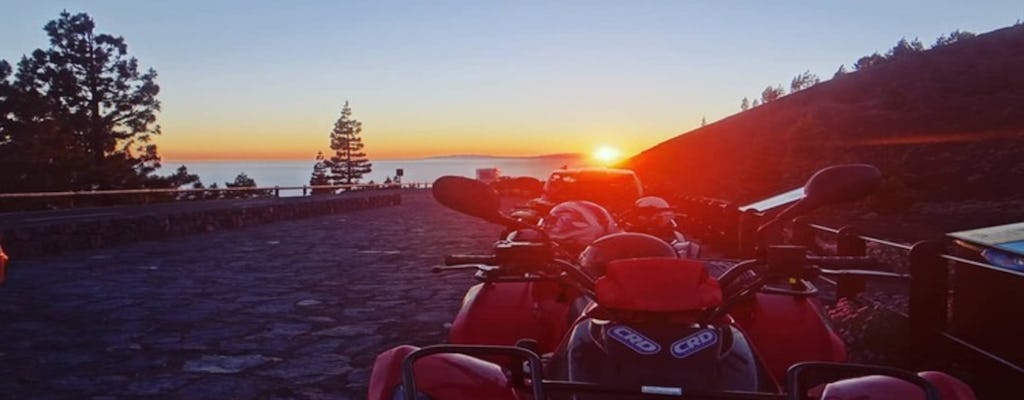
(70, 199)
(961, 312)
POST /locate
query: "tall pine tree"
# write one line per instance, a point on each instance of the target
(78, 115)
(349, 163)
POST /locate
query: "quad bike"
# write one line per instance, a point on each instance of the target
(664, 327)
(523, 294)
(654, 216)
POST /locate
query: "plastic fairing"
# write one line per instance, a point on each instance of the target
(657, 284)
(878, 387)
(772, 321)
(501, 314)
(440, 377)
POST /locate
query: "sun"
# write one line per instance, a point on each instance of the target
(606, 154)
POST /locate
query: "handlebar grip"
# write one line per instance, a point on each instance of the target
(841, 262)
(459, 259)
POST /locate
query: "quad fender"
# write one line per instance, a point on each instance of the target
(502, 313)
(786, 330)
(440, 377)
(878, 387)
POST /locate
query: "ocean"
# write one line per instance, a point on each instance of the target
(287, 173)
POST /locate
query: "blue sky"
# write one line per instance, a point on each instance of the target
(266, 79)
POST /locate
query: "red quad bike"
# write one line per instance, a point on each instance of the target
(663, 327)
(522, 294)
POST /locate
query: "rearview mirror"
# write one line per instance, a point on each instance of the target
(841, 183)
(468, 196)
(832, 185)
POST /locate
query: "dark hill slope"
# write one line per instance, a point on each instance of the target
(945, 124)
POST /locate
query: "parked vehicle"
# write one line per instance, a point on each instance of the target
(654, 325)
(613, 189)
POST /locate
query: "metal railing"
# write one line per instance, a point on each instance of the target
(961, 312)
(71, 199)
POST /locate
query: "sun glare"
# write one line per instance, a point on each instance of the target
(606, 154)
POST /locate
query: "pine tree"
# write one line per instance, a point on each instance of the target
(320, 177)
(349, 163)
(90, 96)
(803, 81)
(745, 104)
(771, 94)
(79, 115)
(840, 72)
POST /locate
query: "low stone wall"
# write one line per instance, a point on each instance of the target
(57, 238)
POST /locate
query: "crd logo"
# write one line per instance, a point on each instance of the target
(696, 342)
(634, 340)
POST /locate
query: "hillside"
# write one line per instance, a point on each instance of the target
(944, 125)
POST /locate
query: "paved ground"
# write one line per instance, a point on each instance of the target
(290, 310)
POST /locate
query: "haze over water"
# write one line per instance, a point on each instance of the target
(297, 172)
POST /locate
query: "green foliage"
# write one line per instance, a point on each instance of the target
(953, 37)
(771, 94)
(349, 163)
(319, 177)
(241, 181)
(803, 81)
(870, 61)
(903, 48)
(244, 181)
(79, 115)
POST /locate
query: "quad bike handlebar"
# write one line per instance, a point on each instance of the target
(797, 376)
(460, 259)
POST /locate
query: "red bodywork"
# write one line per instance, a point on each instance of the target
(783, 329)
(658, 285)
(441, 377)
(502, 313)
(877, 387)
(786, 330)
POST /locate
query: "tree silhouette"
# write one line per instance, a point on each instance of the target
(244, 181)
(78, 115)
(319, 177)
(840, 72)
(349, 163)
(904, 48)
(803, 81)
(953, 37)
(869, 61)
(745, 104)
(771, 94)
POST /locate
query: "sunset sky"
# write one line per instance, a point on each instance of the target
(256, 80)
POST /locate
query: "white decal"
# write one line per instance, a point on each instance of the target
(634, 340)
(696, 342)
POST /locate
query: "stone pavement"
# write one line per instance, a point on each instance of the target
(289, 310)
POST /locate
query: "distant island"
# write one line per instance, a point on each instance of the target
(537, 157)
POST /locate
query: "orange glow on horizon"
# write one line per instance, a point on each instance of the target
(390, 139)
(606, 154)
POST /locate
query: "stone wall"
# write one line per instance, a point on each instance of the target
(65, 236)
